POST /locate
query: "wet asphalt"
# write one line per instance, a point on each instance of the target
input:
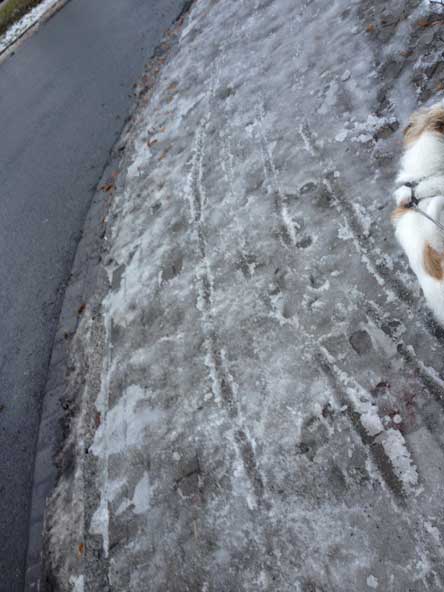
(64, 97)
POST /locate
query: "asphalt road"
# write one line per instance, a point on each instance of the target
(64, 96)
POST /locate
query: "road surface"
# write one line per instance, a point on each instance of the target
(64, 96)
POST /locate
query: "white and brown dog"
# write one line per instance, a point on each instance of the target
(420, 183)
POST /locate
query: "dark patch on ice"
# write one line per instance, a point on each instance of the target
(304, 242)
(324, 199)
(310, 586)
(156, 207)
(380, 388)
(308, 187)
(317, 280)
(360, 342)
(172, 266)
(249, 460)
(188, 478)
(247, 264)
(117, 277)
(226, 92)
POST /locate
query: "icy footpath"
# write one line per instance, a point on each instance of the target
(258, 387)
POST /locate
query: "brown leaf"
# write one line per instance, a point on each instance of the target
(81, 549)
(81, 309)
(164, 153)
(370, 28)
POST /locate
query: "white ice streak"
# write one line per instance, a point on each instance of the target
(77, 583)
(392, 440)
(395, 448)
(142, 494)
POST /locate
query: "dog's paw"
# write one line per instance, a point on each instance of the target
(403, 196)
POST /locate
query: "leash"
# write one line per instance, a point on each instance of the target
(414, 201)
(414, 207)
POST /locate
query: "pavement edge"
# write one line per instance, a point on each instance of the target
(81, 286)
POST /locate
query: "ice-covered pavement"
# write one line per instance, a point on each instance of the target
(260, 394)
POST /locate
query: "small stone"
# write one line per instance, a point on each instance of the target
(346, 76)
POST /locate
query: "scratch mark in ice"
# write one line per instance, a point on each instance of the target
(393, 288)
(247, 262)
(287, 231)
(223, 385)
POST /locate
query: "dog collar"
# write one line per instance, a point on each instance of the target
(414, 201)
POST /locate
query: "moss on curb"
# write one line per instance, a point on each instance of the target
(12, 10)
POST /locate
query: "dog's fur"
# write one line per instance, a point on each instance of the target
(423, 163)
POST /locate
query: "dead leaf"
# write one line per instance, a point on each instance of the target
(81, 308)
(424, 23)
(164, 153)
(370, 28)
(81, 549)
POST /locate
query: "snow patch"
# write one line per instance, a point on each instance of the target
(25, 23)
(77, 583)
(372, 582)
(341, 136)
(142, 494)
(125, 424)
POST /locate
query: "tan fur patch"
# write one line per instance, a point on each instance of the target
(431, 119)
(433, 262)
(398, 213)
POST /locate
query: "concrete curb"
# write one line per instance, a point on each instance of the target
(51, 431)
(83, 282)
